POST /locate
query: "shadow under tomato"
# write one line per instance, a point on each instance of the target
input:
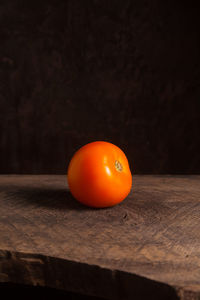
(44, 197)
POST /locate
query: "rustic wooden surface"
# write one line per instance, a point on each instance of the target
(148, 247)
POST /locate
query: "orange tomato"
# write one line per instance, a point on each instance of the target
(99, 175)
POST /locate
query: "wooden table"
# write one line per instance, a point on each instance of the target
(147, 247)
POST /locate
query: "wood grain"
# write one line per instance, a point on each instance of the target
(147, 247)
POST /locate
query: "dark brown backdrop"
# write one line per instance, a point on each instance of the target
(72, 72)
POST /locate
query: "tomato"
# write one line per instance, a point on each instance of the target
(99, 175)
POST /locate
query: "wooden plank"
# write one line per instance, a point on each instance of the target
(147, 247)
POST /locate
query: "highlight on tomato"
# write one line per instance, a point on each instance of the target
(99, 175)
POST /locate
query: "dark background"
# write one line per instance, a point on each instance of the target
(72, 72)
(24, 292)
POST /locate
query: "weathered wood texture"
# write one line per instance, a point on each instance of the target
(148, 247)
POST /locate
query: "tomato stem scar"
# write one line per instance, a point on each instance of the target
(118, 166)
